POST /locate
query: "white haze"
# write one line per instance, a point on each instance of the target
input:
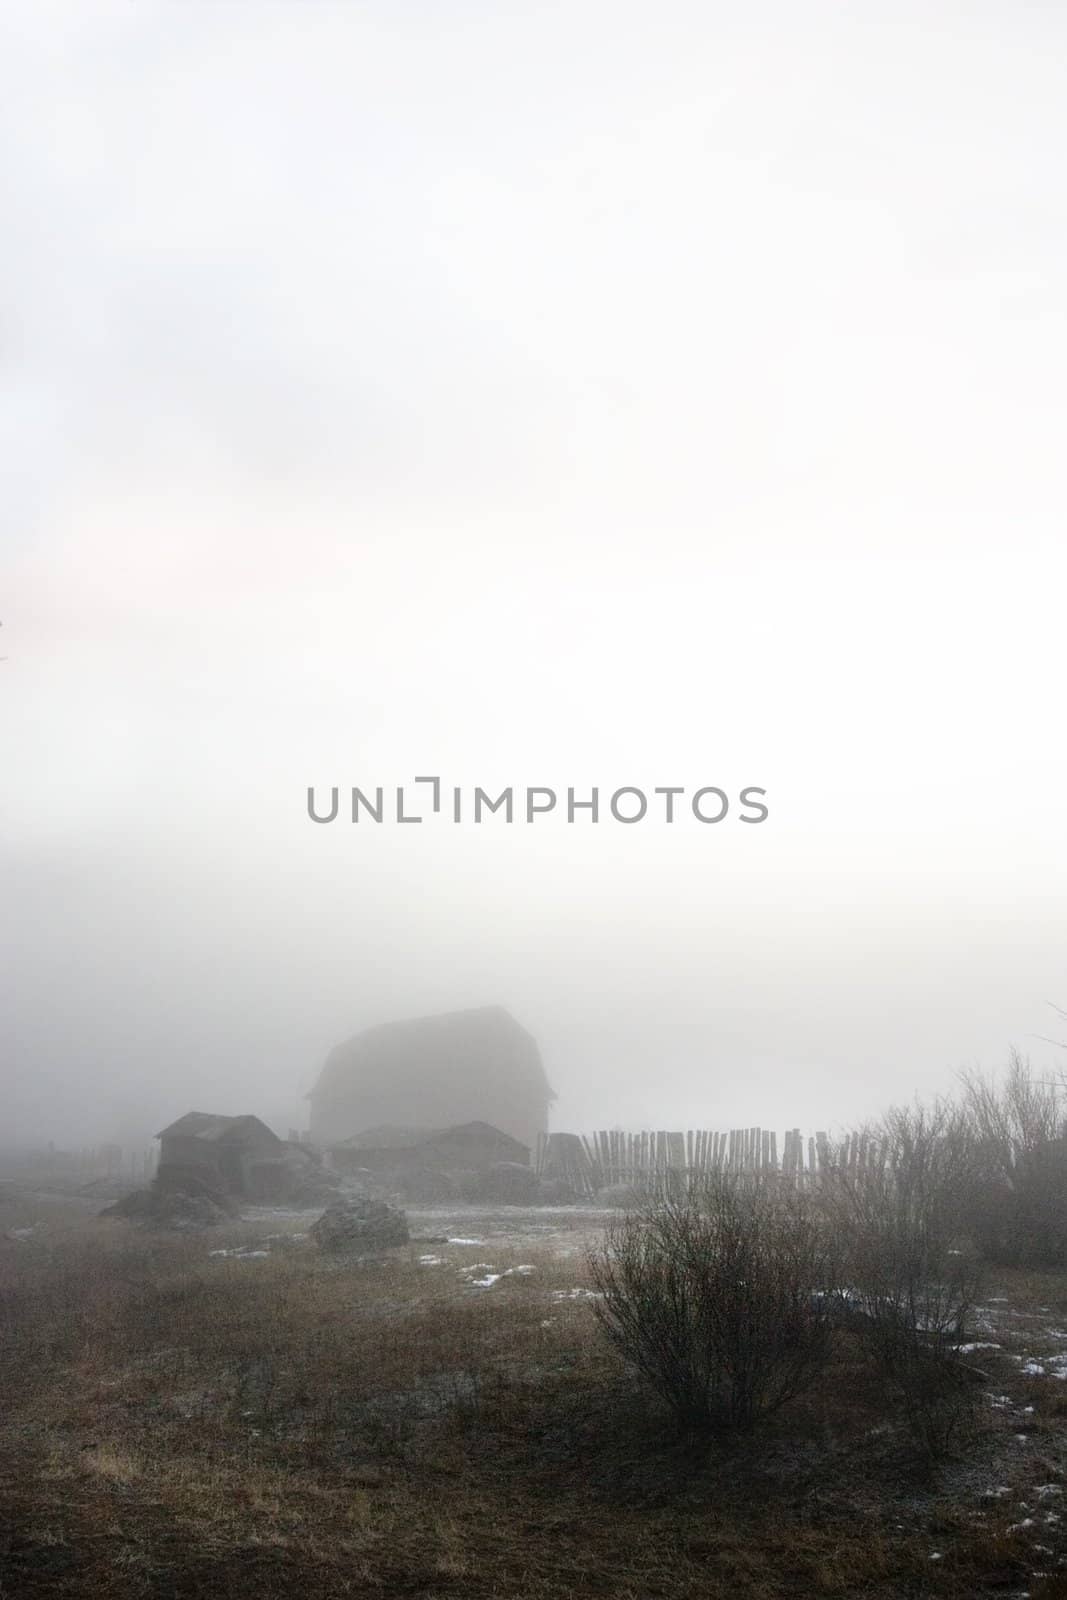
(535, 394)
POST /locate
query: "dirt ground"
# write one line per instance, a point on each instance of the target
(230, 1412)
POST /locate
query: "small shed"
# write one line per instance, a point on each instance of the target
(220, 1150)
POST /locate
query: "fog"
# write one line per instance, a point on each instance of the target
(570, 396)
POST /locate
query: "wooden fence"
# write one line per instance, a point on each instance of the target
(87, 1163)
(659, 1160)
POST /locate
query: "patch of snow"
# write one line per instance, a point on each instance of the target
(431, 1261)
(487, 1282)
(465, 1241)
(575, 1294)
(240, 1254)
(1046, 1491)
(979, 1344)
(521, 1270)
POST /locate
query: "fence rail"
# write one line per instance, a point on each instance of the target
(87, 1163)
(658, 1160)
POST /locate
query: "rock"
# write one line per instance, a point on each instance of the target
(361, 1224)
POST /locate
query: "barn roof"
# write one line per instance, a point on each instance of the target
(210, 1127)
(479, 1044)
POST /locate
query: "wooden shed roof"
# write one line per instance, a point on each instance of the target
(210, 1127)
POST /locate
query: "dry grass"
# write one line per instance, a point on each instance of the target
(180, 1425)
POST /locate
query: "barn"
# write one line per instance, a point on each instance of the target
(222, 1151)
(395, 1152)
(432, 1073)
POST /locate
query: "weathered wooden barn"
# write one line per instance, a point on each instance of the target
(431, 1073)
(394, 1153)
(223, 1151)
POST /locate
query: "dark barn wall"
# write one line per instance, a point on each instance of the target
(347, 1109)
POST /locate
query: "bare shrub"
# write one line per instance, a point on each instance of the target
(715, 1299)
(908, 1282)
(1018, 1126)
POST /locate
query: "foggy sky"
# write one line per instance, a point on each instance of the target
(530, 394)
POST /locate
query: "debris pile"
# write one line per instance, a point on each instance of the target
(175, 1200)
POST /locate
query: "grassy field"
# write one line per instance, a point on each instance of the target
(450, 1423)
